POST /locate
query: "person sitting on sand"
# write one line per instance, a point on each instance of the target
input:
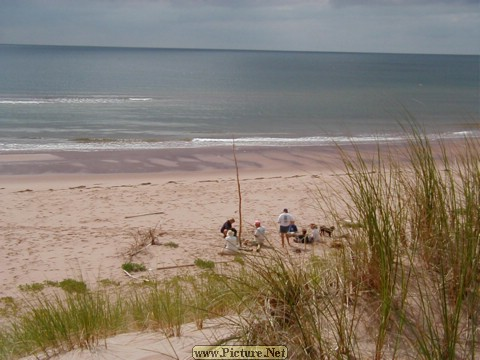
(302, 238)
(259, 236)
(315, 235)
(231, 244)
(228, 225)
(292, 230)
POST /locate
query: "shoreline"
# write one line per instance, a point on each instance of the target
(36, 171)
(200, 163)
(174, 160)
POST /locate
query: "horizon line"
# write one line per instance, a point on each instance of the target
(232, 50)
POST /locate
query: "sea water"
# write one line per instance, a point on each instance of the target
(93, 98)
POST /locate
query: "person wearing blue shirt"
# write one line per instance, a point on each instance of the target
(292, 230)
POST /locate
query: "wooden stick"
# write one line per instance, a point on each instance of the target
(136, 252)
(189, 265)
(134, 277)
(153, 213)
(239, 192)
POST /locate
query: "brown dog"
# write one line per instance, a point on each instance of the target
(326, 230)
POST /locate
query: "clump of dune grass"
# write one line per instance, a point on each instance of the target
(171, 244)
(108, 283)
(161, 307)
(51, 323)
(445, 251)
(33, 287)
(204, 264)
(302, 303)
(57, 323)
(416, 249)
(68, 285)
(73, 286)
(133, 267)
(203, 296)
(8, 306)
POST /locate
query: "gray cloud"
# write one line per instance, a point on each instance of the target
(439, 26)
(402, 2)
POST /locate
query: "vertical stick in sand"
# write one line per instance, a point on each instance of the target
(239, 191)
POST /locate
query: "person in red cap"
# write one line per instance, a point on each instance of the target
(259, 236)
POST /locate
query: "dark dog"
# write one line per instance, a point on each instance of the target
(326, 230)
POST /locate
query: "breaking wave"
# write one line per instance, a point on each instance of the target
(105, 143)
(70, 100)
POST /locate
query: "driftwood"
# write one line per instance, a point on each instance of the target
(153, 213)
(137, 251)
(135, 277)
(189, 265)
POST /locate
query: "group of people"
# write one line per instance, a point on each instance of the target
(287, 229)
(232, 245)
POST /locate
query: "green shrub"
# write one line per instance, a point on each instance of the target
(204, 264)
(8, 306)
(133, 267)
(108, 282)
(73, 286)
(34, 287)
(171, 244)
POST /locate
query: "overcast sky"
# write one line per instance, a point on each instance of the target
(400, 26)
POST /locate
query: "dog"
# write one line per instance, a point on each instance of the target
(326, 230)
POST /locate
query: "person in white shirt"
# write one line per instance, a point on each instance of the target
(259, 234)
(314, 237)
(284, 219)
(231, 244)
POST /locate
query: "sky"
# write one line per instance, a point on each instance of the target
(387, 26)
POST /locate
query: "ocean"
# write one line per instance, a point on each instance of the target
(102, 98)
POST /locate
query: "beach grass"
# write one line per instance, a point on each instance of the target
(403, 282)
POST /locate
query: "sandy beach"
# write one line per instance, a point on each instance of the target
(74, 214)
